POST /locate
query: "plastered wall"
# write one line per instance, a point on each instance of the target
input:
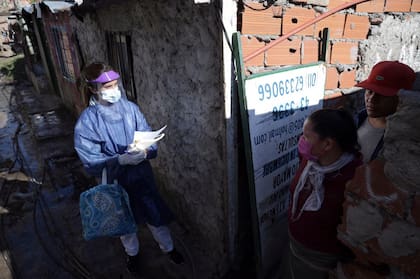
(359, 37)
(177, 70)
(91, 38)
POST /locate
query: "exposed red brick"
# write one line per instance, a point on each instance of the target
(335, 3)
(310, 49)
(397, 5)
(295, 17)
(415, 6)
(260, 22)
(347, 79)
(332, 78)
(335, 24)
(372, 6)
(277, 11)
(344, 53)
(357, 27)
(380, 190)
(284, 53)
(415, 210)
(249, 45)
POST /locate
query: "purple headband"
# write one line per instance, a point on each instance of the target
(106, 77)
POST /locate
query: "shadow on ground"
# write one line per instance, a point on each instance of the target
(41, 179)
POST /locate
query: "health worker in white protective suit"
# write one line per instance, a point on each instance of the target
(102, 136)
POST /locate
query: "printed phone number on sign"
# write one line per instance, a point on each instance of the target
(285, 87)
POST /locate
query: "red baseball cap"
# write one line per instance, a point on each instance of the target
(388, 77)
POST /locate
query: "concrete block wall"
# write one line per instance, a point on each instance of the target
(349, 30)
(381, 221)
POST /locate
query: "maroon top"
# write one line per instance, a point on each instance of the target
(317, 230)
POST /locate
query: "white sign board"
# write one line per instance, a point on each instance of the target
(277, 105)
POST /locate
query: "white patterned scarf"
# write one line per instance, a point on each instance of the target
(315, 173)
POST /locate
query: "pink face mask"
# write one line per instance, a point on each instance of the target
(305, 149)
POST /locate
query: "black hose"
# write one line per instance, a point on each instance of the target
(74, 267)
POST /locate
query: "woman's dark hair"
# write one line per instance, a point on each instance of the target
(91, 72)
(337, 124)
(94, 70)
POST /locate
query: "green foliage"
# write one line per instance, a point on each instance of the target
(13, 68)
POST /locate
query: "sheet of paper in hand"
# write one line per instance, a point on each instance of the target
(144, 139)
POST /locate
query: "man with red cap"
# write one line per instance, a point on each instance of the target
(385, 80)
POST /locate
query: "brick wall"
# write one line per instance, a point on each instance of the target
(348, 29)
(382, 208)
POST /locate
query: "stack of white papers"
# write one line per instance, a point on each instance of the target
(143, 140)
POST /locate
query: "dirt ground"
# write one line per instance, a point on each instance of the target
(41, 178)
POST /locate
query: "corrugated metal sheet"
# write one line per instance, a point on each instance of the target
(54, 6)
(58, 6)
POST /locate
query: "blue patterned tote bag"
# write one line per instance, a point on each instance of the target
(105, 211)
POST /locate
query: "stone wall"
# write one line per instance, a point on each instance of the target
(90, 37)
(5, 38)
(177, 60)
(6, 5)
(392, 37)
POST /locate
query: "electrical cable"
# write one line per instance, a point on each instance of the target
(74, 267)
(68, 253)
(228, 40)
(5, 198)
(255, 9)
(43, 244)
(19, 157)
(220, 20)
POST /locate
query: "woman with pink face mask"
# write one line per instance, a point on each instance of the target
(329, 157)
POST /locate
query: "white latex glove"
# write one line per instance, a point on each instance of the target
(132, 148)
(132, 158)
